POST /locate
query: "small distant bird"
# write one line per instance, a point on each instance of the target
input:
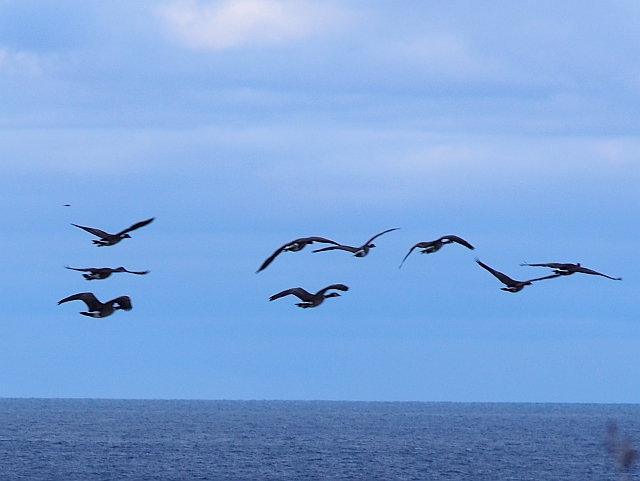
(621, 449)
(67, 205)
(512, 285)
(295, 246)
(434, 246)
(102, 272)
(111, 239)
(308, 299)
(568, 269)
(360, 251)
(98, 309)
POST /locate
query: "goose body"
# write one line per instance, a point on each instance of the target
(102, 272)
(98, 309)
(107, 239)
(308, 299)
(512, 284)
(359, 251)
(435, 245)
(295, 246)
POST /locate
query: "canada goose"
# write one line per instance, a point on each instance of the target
(361, 251)
(102, 272)
(308, 299)
(97, 308)
(111, 239)
(512, 285)
(433, 246)
(568, 269)
(295, 246)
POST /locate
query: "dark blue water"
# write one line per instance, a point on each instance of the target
(271, 440)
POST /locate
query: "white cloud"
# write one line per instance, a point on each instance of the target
(19, 63)
(225, 24)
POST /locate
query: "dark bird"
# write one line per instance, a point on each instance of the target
(102, 272)
(67, 205)
(568, 269)
(434, 246)
(96, 308)
(295, 246)
(512, 285)
(361, 251)
(111, 239)
(308, 299)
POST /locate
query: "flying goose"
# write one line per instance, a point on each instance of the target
(97, 308)
(434, 246)
(295, 246)
(102, 272)
(361, 251)
(512, 285)
(308, 299)
(568, 269)
(111, 239)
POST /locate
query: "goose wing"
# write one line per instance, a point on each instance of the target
(93, 304)
(270, 259)
(552, 265)
(351, 249)
(378, 235)
(135, 226)
(543, 278)
(586, 270)
(123, 302)
(299, 292)
(140, 273)
(505, 279)
(320, 240)
(96, 232)
(457, 240)
(81, 269)
(338, 287)
(421, 245)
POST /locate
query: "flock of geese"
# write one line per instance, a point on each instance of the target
(98, 309)
(95, 308)
(427, 247)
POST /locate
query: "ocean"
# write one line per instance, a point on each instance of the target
(73, 439)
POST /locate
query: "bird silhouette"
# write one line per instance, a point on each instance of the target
(512, 285)
(434, 246)
(360, 251)
(96, 308)
(295, 246)
(107, 239)
(568, 269)
(102, 272)
(308, 299)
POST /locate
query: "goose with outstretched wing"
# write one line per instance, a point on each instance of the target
(98, 309)
(102, 272)
(295, 246)
(360, 251)
(434, 246)
(512, 284)
(107, 239)
(567, 269)
(308, 299)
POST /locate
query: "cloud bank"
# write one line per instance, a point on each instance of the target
(230, 24)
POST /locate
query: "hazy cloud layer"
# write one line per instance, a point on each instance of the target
(226, 24)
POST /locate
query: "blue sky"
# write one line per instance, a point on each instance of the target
(243, 124)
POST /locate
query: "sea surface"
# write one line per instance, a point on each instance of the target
(58, 439)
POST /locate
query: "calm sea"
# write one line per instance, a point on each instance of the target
(272, 440)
